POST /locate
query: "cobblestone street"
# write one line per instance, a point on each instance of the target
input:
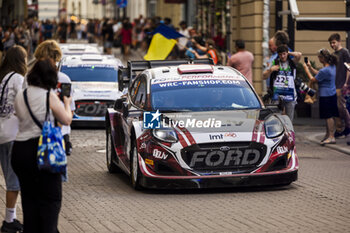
(96, 201)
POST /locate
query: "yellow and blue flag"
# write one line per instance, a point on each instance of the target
(163, 41)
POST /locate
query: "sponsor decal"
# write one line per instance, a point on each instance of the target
(237, 157)
(143, 146)
(221, 136)
(199, 82)
(196, 77)
(230, 135)
(159, 154)
(144, 137)
(92, 108)
(149, 161)
(151, 120)
(224, 148)
(282, 149)
(216, 136)
(225, 173)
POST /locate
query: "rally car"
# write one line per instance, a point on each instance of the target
(95, 85)
(189, 125)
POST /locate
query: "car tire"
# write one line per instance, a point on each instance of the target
(110, 153)
(135, 173)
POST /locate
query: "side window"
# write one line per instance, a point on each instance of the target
(138, 92)
(140, 99)
(134, 89)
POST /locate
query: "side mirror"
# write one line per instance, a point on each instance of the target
(123, 79)
(120, 80)
(125, 109)
(118, 104)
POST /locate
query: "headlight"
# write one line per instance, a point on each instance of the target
(165, 134)
(273, 127)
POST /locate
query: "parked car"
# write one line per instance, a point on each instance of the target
(196, 126)
(95, 85)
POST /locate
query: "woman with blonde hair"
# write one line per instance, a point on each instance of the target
(51, 49)
(12, 70)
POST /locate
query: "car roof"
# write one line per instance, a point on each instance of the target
(78, 49)
(91, 59)
(194, 71)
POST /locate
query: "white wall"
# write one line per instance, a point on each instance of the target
(88, 9)
(136, 8)
(48, 9)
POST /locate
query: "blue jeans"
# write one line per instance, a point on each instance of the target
(11, 180)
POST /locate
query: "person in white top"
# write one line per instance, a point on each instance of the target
(50, 49)
(12, 70)
(182, 41)
(41, 191)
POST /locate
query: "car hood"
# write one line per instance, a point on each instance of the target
(214, 121)
(221, 126)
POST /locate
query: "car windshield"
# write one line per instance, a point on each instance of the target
(203, 95)
(91, 73)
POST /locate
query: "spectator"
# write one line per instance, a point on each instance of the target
(41, 191)
(167, 22)
(211, 52)
(90, 31)
(108, 37)
(325, 78)
(1, 44)
(50, 49)
(48, 29)
(12, 71)
(220, 41)
(126, 35)
(341, 83)
(62, 31)
(183, 40)
(72, 30)
(283, 74)
(273, 56)
(281, 38)
(242, 61)
(9, 39)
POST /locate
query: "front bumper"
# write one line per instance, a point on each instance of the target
(220, 182)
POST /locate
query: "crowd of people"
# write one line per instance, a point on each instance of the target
(19, 135)
(26, 98)
(332, 80)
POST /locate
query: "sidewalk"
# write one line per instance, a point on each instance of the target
(314, 129)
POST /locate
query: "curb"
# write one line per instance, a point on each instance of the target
(313, 138)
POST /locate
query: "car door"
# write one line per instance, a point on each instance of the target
(137, 99)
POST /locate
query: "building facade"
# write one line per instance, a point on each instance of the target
(247, 24)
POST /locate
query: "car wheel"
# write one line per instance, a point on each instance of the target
(135, 170)
(110, 154)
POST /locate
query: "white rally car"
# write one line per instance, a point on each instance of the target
(95, 85)
(196, 126)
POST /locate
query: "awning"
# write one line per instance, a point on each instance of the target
(323, 23)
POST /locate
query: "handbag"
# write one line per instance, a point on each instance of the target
(2, 105)
(51, 155)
